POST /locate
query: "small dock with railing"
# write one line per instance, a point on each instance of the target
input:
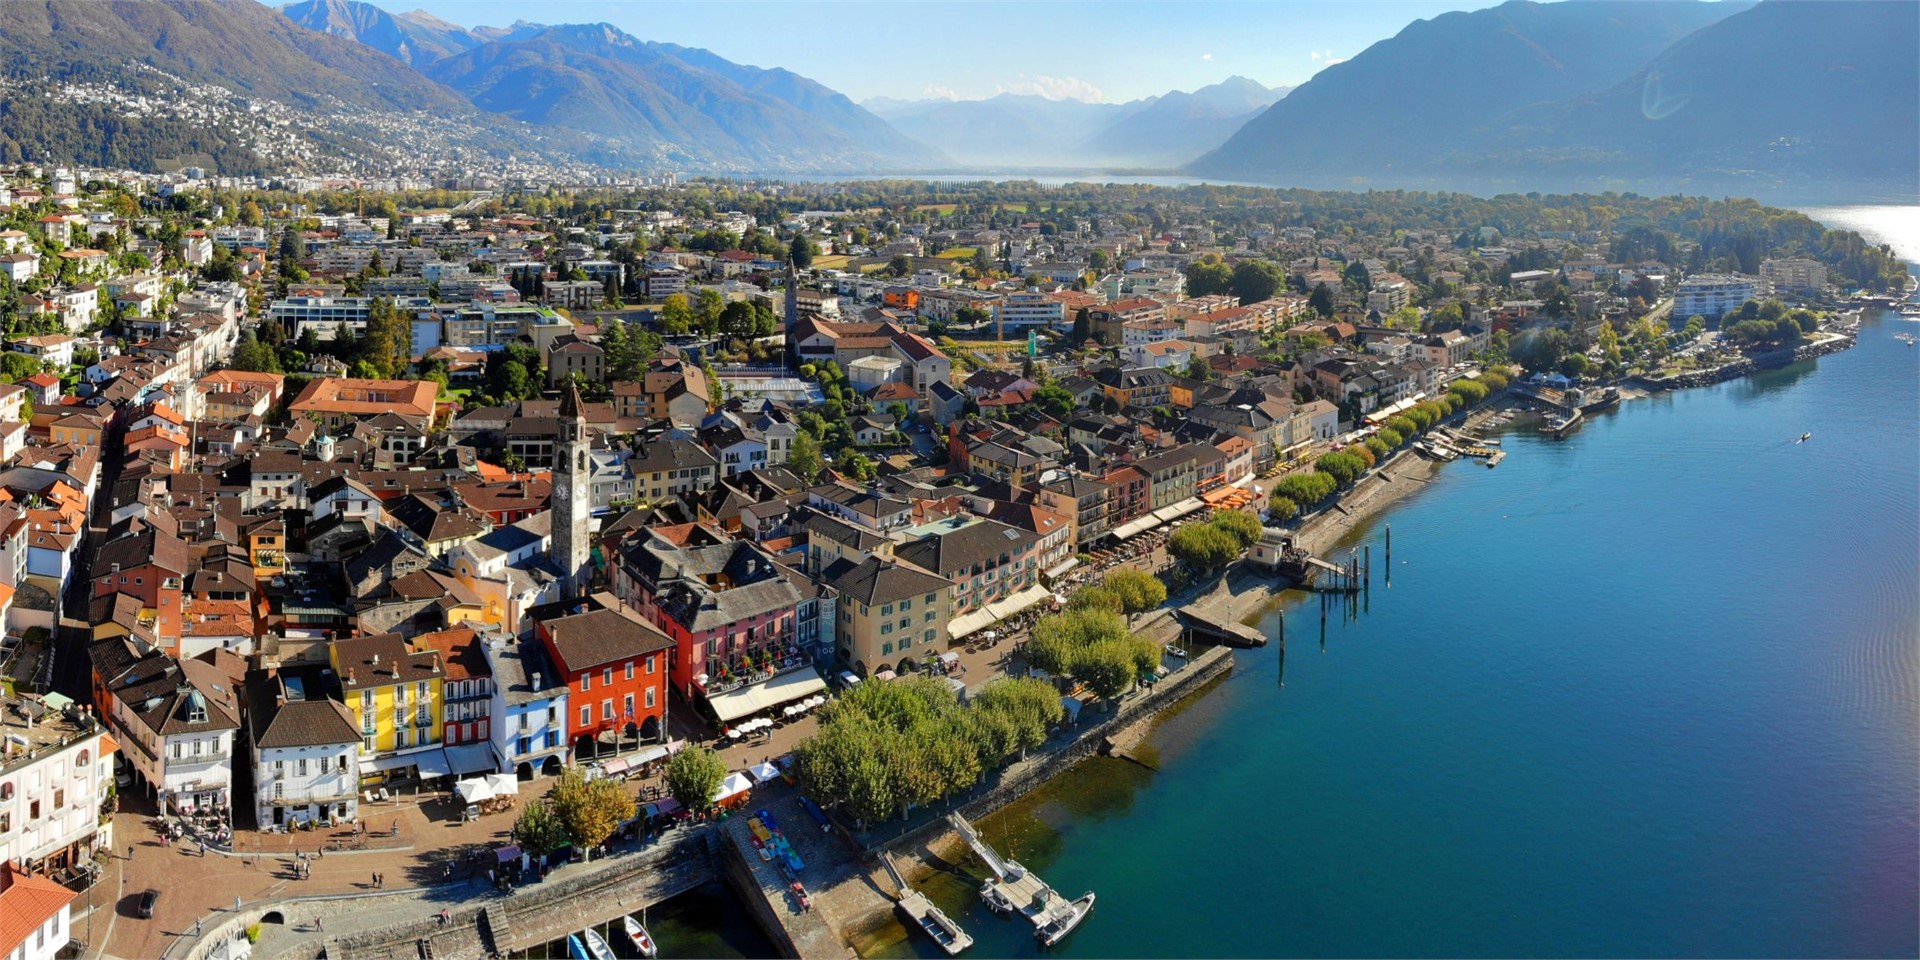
(1014, 889)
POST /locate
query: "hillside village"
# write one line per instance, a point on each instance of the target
(303, 504)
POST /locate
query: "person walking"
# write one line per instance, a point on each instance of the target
(129, 853)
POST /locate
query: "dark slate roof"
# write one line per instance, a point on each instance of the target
(953, 551)
(875, 581)
(587, 640)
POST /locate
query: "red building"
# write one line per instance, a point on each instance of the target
(616, 673)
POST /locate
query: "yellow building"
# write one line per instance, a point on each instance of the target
(890, 616)
(395, 695)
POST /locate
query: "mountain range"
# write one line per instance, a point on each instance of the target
(1781, 98)
(1763, 99)
(1024, 130)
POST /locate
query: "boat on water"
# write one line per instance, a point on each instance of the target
(597, 946)
(1064, 921)
(1805, 437)
(576, 949)
(639, 937)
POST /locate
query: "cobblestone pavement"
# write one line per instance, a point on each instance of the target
(202, 886)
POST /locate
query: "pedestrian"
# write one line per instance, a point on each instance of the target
(317, 925)
(376, 882)
(196, 927)
(129, 853)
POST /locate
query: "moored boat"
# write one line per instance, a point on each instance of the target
(639, 937)
(1063, 923)
(576, 949)
(597, 945)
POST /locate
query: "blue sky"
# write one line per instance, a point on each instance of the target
(1089, 50)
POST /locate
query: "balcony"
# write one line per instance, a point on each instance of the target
(220, 755)
(753, 667)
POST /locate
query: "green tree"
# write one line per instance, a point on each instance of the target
(1203, 546)
(15, 367)
(1257, 280)
(676, 316)
(1055, 402)
(801, 252)
(251, 354)
(1321, 300)
(1108, 668)
(693, 777)
(1282, 509)
(1242, 526)
(1138, 590)
(1208, 276)
(1342, 467)
(590, 810)
(1097, 598)
(803, 457)
(538, 831)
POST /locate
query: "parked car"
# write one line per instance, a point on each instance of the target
(147, 900)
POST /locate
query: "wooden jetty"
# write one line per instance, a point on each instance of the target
(924, 916)
(1015, 889)
(1201, 626)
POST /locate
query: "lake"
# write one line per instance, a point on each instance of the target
(1650, 691)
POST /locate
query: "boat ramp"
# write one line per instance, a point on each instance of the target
(1015, 889)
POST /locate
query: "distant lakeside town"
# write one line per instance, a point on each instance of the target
(558, 550)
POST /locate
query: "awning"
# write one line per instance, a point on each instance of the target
(735, 784)
(1135, 527)
(616, 766)
(969, 624)
(1063, 566)
(433, 763)
(1002, 609)
(1178, 510)
(657, 752)
(400, 761)
(471, 758)
(734, 704)
(764, 772)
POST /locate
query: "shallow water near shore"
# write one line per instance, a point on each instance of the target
(1649, 691)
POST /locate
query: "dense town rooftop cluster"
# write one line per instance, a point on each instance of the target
(354, 491)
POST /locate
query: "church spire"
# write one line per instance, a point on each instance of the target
(570, 406)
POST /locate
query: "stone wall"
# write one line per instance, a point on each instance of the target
(1059, 754)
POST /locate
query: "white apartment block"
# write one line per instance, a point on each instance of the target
(1796, 274)
(53, 778)
(1712, 295)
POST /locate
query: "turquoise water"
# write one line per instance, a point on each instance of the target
(1650, 691)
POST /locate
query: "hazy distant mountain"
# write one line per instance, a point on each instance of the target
(1783, 95)
(519, 30)
(1018, 130)
(1442, 80)
(1172, 129)
(1782, 98)
(1008, 130)
(673, 104)
(417, 38)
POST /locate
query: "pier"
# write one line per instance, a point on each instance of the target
(1200, 626)
(1015, 889)
(922, 915)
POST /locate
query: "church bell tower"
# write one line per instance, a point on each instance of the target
(572, 500)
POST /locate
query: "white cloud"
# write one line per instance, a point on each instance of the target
(1333, 60)
(934, 91)
(1206, 56)
(1053, 88)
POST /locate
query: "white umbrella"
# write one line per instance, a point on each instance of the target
(733, 734)
(764, 772)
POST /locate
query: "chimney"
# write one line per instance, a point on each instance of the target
(534, 678)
